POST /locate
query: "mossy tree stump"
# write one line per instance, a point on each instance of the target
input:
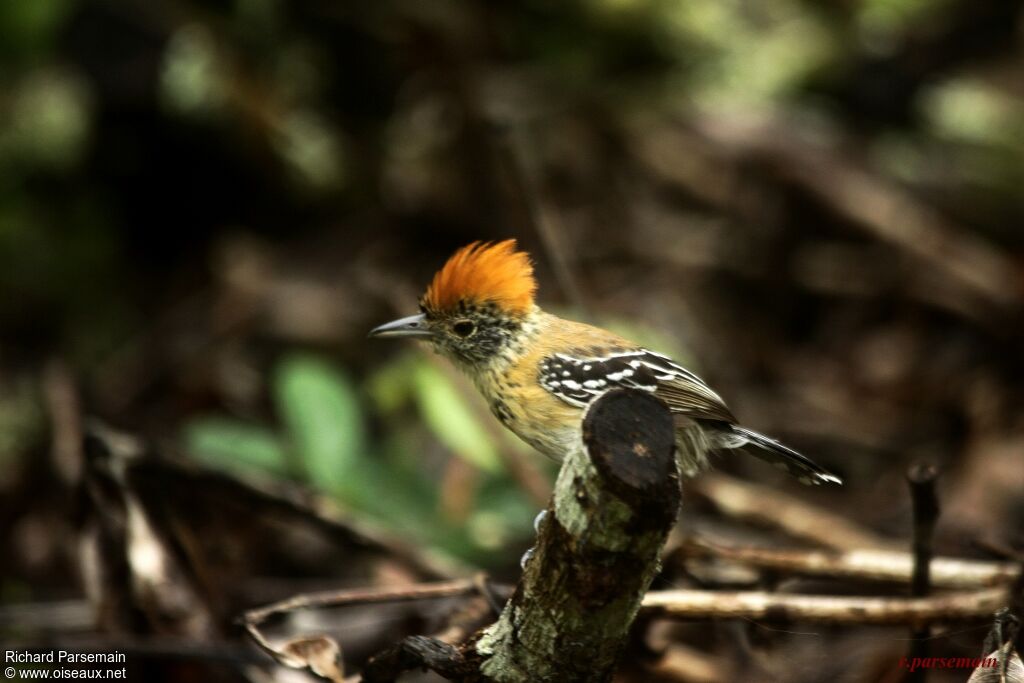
(598, 548)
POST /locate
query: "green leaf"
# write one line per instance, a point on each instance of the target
(452, 420)
(320, 408)
(228, 444)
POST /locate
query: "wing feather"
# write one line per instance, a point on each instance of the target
(579, 379)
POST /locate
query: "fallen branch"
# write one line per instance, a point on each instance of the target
(827, 609)
(321, 654)
(418, 652)
(864, 565)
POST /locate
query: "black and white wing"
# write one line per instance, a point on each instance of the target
(578, 380)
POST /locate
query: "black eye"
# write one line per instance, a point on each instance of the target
(464, 328)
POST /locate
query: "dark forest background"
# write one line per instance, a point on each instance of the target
(204, 207)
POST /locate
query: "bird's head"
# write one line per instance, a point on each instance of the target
(476, 305)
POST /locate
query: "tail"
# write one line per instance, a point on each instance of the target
(785, 458)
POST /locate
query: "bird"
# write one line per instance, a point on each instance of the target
(539, 372)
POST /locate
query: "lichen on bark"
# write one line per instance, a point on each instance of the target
(614, 503)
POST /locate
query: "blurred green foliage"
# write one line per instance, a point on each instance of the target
(236, 446)
(448, 416)
(323, 443)
(322, 415)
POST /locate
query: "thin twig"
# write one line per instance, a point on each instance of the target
(921, 479)
(361, 596)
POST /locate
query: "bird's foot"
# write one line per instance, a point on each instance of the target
(539, 519)
(527, 556)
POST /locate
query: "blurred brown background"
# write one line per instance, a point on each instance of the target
(204, 206)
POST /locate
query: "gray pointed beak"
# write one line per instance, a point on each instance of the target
(413, 326)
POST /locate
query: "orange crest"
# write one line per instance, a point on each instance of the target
(484, 272)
